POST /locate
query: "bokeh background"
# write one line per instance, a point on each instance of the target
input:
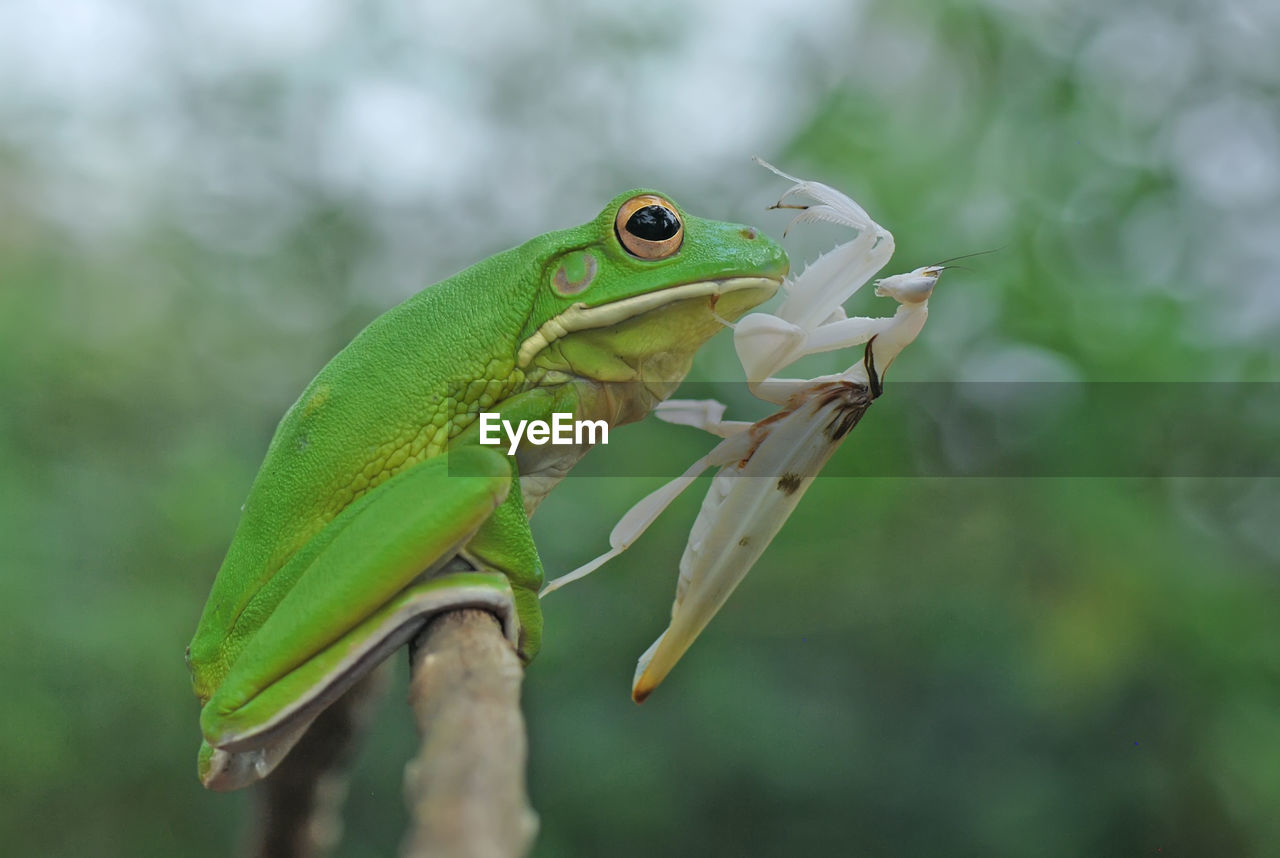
(201, 202)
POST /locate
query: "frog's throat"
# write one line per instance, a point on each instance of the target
(580, 317)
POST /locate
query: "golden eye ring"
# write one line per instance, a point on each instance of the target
(649, 227)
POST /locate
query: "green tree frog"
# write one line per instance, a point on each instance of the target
(377, 505)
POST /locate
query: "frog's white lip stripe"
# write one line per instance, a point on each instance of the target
(580, 317)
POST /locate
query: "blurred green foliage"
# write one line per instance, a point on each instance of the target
(917, 666)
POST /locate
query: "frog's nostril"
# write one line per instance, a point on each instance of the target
(748, 233)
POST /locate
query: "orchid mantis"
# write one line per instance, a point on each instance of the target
(765, 467)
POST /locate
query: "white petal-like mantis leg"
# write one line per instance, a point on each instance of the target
(845, 333)
(698, 413)
(637, 519)
(830, 337)
(905, 326)
(704, 414)
(833, 277)
(766, 343)
(837, 315)
(829, 280)
(850, 212)
(781, 391)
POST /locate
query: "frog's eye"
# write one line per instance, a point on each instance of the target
(649, 227)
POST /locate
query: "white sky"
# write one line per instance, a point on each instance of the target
(501, 112)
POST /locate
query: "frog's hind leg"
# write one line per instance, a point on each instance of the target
(361, 592)
(297, 698)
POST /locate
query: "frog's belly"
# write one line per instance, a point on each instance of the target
(541, 468)
(616, 403)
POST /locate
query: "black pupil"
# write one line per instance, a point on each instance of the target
(653, 223)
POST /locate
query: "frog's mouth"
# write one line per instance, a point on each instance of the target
(580, 317)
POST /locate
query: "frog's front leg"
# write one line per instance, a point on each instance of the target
(504, 545)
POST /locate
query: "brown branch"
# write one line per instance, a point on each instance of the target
(466, 788)
(300, 803)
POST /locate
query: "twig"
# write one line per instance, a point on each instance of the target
(300, 803)
(466, 788)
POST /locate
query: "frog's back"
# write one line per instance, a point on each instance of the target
(390, 399)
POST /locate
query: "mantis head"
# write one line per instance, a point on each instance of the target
(914, 287)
